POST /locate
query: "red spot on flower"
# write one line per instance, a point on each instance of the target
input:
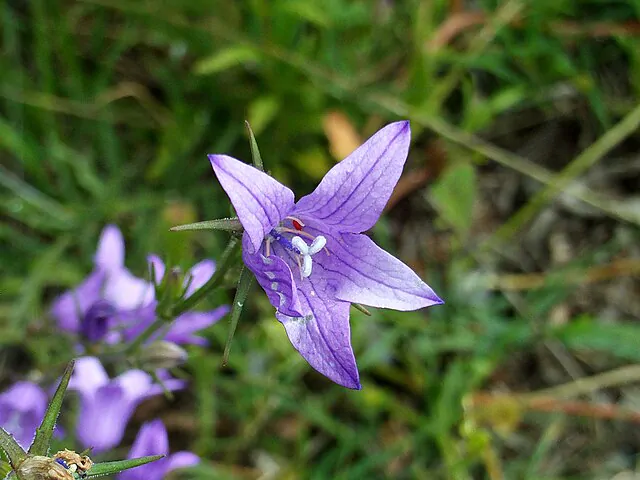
(296, 224)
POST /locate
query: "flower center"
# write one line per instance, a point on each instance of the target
(301, 251)
(95, 323)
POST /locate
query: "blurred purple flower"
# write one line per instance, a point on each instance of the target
(284, 242)
(112, 303)
(153, 440)
(22, 408)
(107, 404)
(110, 290)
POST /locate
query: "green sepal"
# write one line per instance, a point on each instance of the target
(42, 441)
(255, 152)
(226, 224)
(5, 468)
(11, 448)
(242, 291)
(362, 309)
(109, 468)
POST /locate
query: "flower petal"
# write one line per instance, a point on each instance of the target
(181, 460)
(103, 418)
(260, 201)
(135, 384)
(199, 274)
(69, 307)
(364, 273)
(88, 376)
(22, 408)
(275, 278)
(24, 396)
(152, 439)
(126, 291)
(110, 252)
(352, 195)
(322, 335)
(184, 328)
(157, 266)
(133, 322)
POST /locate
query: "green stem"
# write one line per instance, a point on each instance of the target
(225, 262)
(244, 284)
(14, 451)
(228, 256)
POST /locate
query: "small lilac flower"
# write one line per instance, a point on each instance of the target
(112, 303)
(311, 258)
(22, 408)
(92, 307)
(107, 404)
(153, 440)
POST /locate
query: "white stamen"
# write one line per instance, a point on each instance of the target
(306, 266)
(318, 244)
(300, 244)
(306, 251)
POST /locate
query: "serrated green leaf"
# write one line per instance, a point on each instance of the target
(454, 196)
(109, 468)
(225, 59)
(255, 152)
(41, 442)
(11, 448)
(226, 224)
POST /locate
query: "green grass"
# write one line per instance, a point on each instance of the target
(109, 107)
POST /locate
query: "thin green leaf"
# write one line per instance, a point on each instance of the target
(244, 284)
(40, 445)
(227, 224)
(14, 451)
(255, 152)
(109, 468)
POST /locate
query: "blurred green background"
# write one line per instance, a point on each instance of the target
(519, 205)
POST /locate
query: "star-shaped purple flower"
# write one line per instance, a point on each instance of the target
(112, 303)
(153, 440)
(92, 307)
(311, 258)
(107, 404)
(22, 408)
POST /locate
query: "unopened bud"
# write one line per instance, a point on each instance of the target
(162, 354)
(42, 468)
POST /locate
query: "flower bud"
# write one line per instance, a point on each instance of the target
(42, 468)
(162, 354)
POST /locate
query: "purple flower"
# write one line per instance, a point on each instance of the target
(112, 303)
(22, 409)
(311, 258)
(107, 404)
(92, 308)
(152, 440)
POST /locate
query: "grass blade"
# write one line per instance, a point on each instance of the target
(41, 442)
